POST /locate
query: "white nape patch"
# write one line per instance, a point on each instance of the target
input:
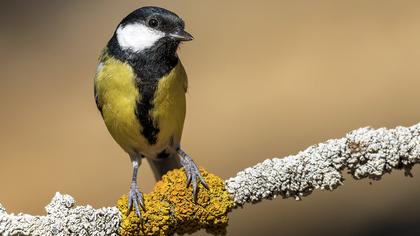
(137, 37)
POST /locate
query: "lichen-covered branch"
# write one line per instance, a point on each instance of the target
(62, 219)
(365, 152)
(171, 209)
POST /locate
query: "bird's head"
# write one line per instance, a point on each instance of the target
(151, 29)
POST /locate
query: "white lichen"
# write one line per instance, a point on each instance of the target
(364, 152)
(62, 219)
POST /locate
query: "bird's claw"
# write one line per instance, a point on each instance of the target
(193, 174)
(135, 198)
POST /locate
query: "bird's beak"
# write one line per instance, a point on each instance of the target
(182, 36)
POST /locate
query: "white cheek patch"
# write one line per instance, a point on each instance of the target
(137, 37)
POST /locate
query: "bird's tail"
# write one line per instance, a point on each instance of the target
(162, 165)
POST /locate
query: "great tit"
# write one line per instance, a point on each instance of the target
(139, 89)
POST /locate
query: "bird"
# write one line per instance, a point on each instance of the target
(139, 89)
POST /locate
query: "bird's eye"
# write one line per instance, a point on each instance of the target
(153, 23)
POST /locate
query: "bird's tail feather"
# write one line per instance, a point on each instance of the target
(163, 165)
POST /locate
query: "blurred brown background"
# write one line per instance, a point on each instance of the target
(267, 78)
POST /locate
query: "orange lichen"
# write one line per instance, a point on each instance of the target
(170, 207)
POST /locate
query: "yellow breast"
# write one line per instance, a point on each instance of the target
(169, 105)
(118, 95)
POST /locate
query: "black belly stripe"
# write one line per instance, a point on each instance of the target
(144, 106)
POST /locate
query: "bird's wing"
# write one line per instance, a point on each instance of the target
(98, 105)
(184, 76)
(98, 69)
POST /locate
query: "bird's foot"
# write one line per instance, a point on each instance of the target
(135, 199)
(194, 176)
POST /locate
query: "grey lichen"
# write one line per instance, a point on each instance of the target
(62, 219)
(364, 152)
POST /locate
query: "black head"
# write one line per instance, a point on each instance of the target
(148, 39)
(150, 26)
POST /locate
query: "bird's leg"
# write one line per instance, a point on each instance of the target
(192, 172)
(135, 197)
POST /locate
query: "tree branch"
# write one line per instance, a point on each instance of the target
(364, 153)
(62, 219)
